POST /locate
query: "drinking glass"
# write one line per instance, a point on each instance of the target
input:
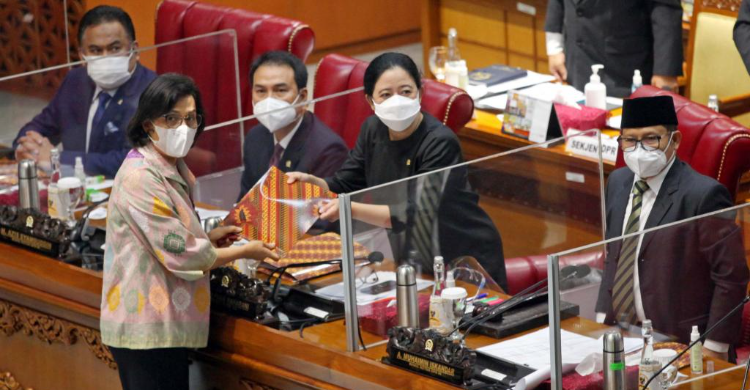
(438, 59)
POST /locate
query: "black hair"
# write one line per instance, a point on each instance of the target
(158, 99)
(386, 61)
(104, 14)
(282, 58)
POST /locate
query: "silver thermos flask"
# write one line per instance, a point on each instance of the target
(614, 361)
(28, 187)
(406, 297)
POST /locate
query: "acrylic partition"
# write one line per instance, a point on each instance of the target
(55, 102)
(38, 34)
(486, 218)
(689, 273)
(222, 189)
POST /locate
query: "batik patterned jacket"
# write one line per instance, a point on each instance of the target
(156, 284)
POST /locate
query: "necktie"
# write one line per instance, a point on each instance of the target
(426, 216)
(278, 150)
(103, 99)
(622, 294)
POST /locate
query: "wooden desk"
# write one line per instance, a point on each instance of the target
(551, 197)
(49, 316)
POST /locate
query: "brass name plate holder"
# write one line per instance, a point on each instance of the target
(33, 230)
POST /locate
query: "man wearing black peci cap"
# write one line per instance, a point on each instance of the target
(689, 274)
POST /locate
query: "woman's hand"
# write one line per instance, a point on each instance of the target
(224, 236)
(306, 178)
(259, 250)
(329, 210)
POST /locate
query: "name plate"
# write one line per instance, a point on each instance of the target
(426, 366)
(33, 230)
(588, 146)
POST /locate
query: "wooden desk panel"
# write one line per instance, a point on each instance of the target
(45, 351)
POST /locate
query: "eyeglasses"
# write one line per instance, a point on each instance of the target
(174, 120)
(648, 143)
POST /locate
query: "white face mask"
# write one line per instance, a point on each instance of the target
(174, 142)
(397, 112)
(109, 72)
(277, 120)
(647, 164)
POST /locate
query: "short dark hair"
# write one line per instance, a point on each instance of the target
(282, 58)
(104, 14)
(158, 99)
(386, 61)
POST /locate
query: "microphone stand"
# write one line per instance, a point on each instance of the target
(747, 367)
(703, 336)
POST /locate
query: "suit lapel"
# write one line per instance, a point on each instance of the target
(619, 206)
(295, 151)
(663, 201)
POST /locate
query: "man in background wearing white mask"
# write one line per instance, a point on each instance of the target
(689, 274)
(290, 138)
(90, 112)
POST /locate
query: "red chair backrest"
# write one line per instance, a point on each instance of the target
(211, 62)
(712, 143)
(345, 114)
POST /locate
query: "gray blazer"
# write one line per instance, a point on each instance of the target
(621, 35)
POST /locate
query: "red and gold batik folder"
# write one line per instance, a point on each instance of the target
(313, 249)
(278, 212)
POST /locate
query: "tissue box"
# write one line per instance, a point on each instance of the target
(377, 317)
(584, 119)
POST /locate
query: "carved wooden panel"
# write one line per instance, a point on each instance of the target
(32, 36)
(8, 382)
(729, 5)
(14, 318)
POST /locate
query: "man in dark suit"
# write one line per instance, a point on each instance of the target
(742, 32)
(689, 274)
(292, 138)
(90, 111)
(621, 35)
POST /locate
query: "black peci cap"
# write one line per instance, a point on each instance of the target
(648, 111)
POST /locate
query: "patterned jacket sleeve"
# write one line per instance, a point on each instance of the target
(168, 231)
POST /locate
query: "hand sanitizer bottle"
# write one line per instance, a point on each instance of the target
(696, 352)
(595, 90)
(637, 81)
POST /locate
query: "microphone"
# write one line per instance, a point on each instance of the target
(569, 272)
(703, 336)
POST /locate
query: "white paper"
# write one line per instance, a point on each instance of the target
(206, 213)
(532, 78)
(336, 291)
(615, 122)
(533, 351)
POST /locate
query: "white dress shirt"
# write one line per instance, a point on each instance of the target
(288, 138)
(92, 111)
(647, 203)
(554, 43)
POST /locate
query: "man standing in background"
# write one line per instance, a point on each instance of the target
(621, 35)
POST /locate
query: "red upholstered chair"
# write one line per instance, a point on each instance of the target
(522, 272)
(345, 114)
(211, 63)
(712, 143)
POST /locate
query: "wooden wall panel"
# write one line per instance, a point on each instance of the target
(489, 31)
(479, 24)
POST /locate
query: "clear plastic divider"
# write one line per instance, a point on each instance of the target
(56, 101)
(492, 220)
(679, 275)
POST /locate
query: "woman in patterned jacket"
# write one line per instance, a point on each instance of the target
(155, 297)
